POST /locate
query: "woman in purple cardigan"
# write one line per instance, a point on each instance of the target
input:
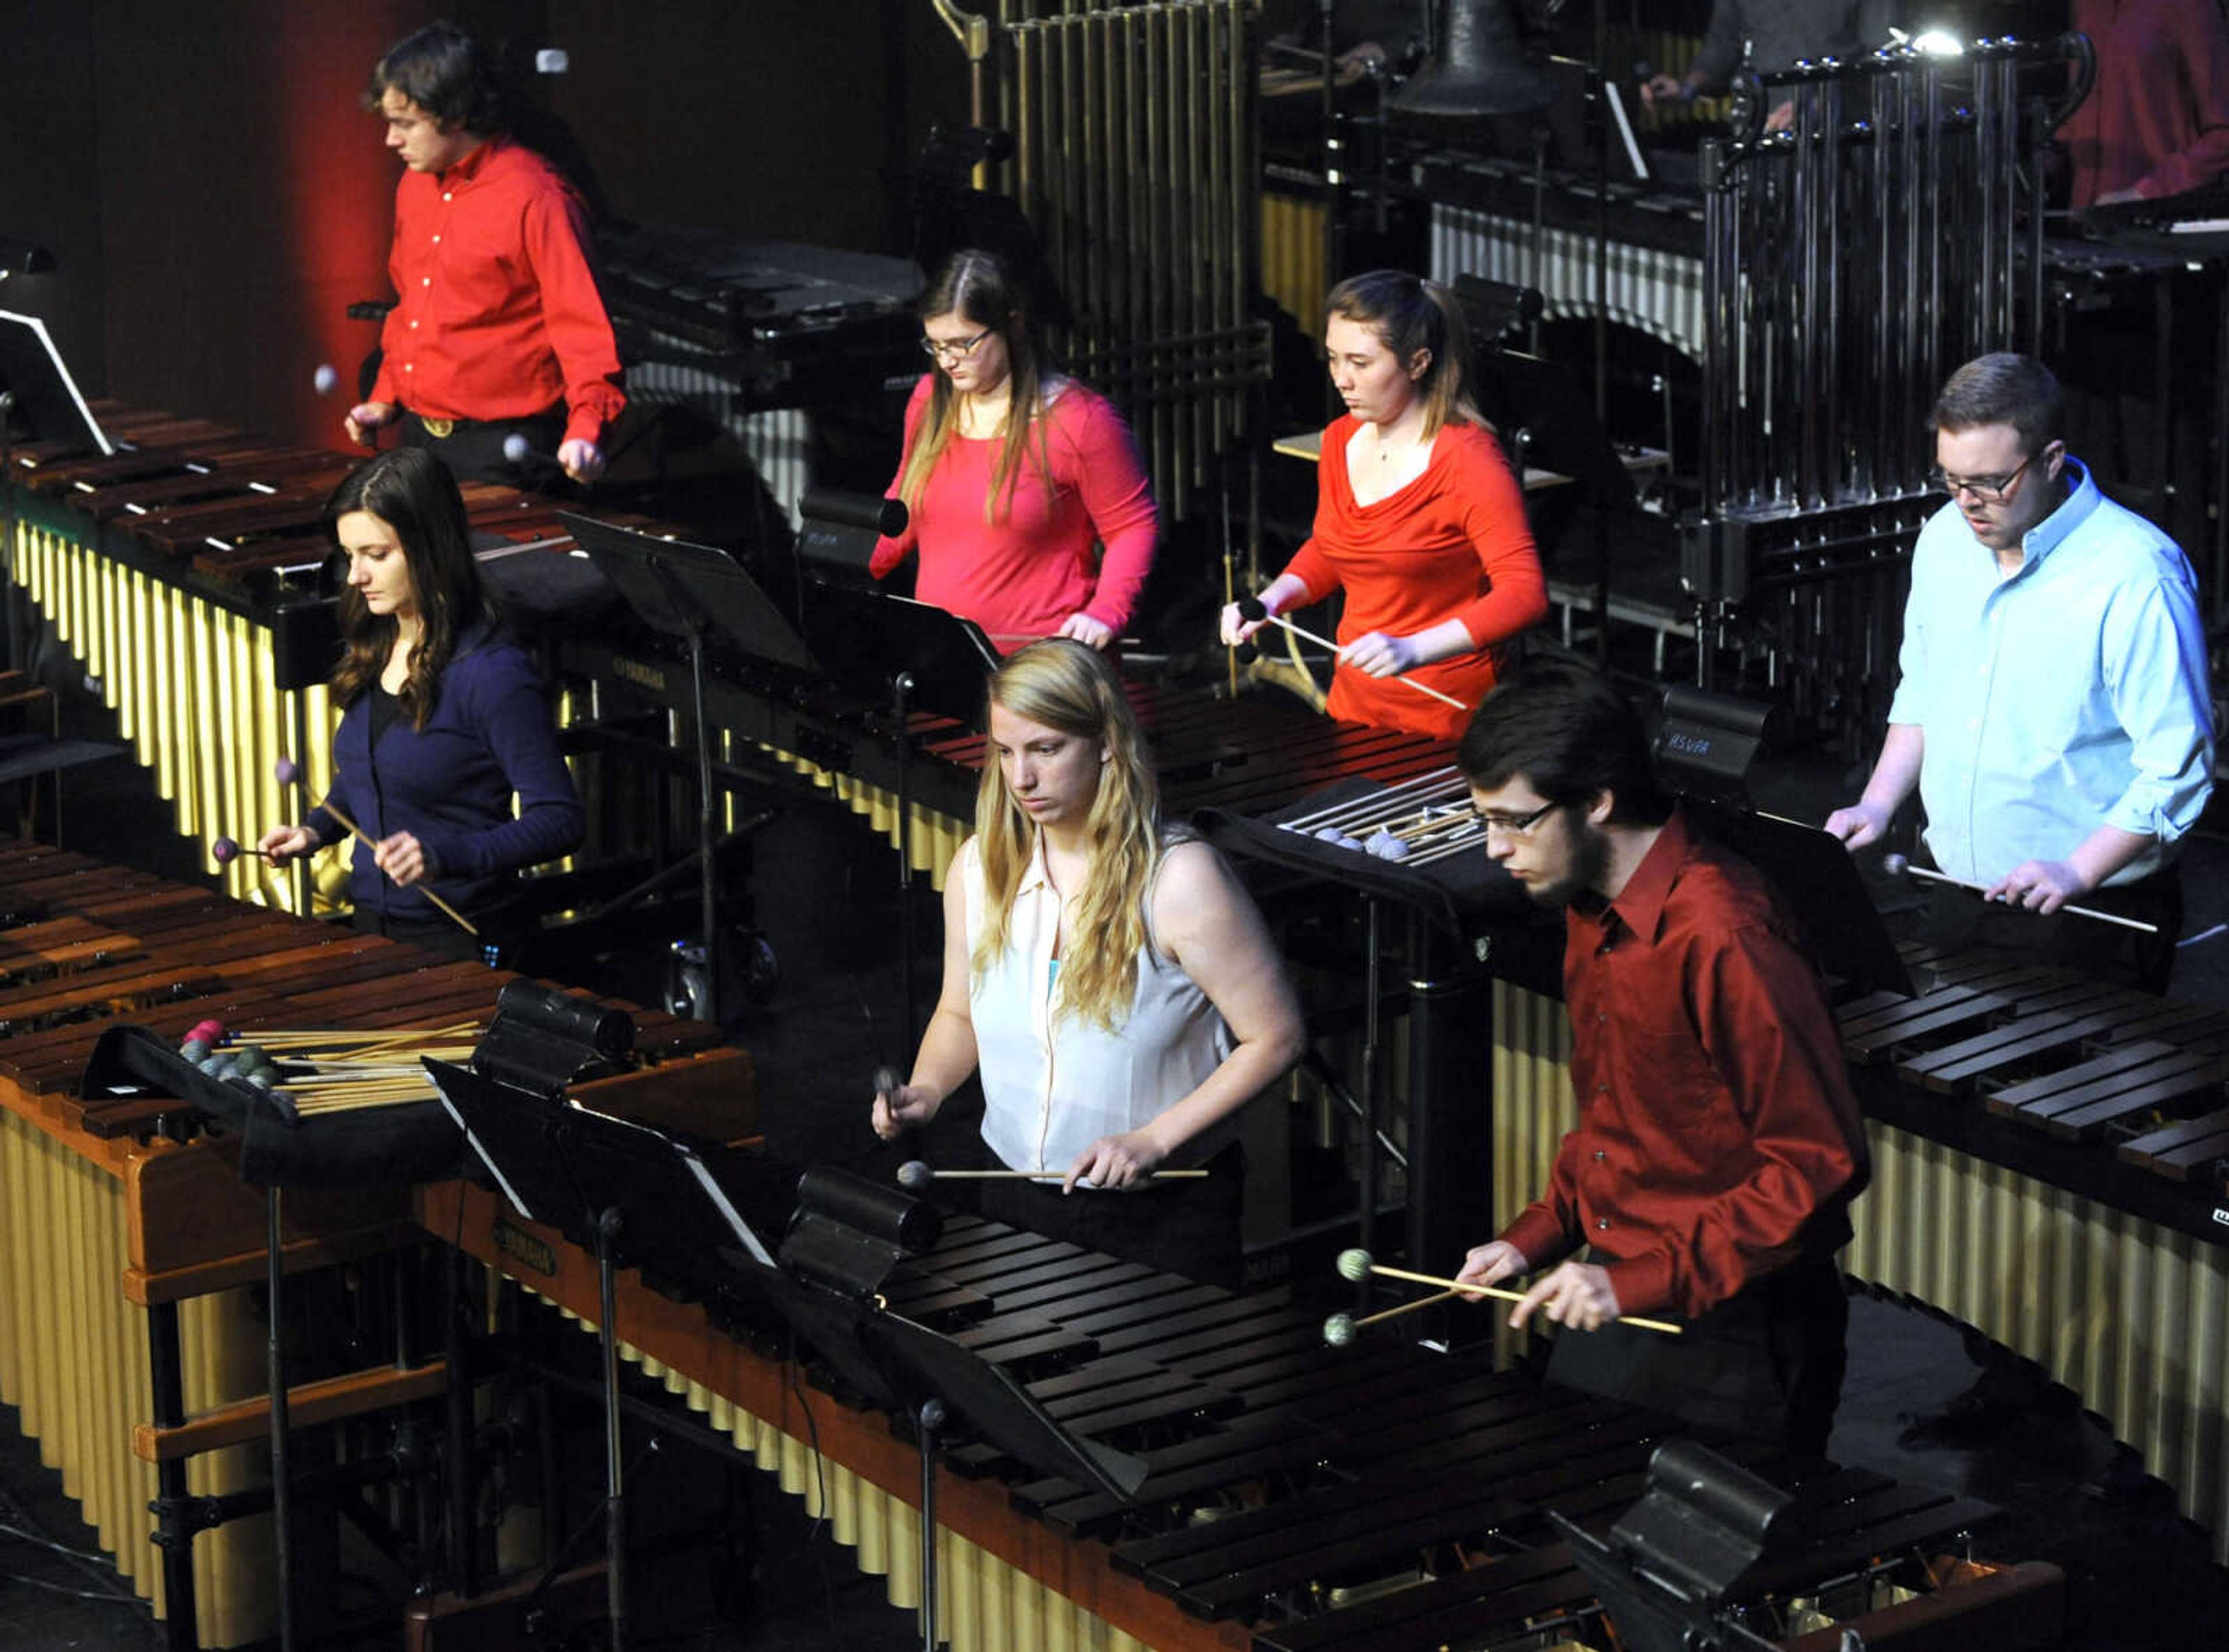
(443, 720)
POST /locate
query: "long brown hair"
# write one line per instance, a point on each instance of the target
(980, 289)
(1408, 315)
(411, 492)
(1064, 685)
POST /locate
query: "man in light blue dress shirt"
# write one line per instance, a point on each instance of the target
(2054, 708)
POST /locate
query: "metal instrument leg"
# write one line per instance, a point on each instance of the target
(1450, 1102)
(174, 1532)
(607, 1232)
(282, 1502)
(930, 1418)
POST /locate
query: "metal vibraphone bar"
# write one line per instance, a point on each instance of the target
(1134, 157)
(1298, 1496)
(1483, 223)
(128, 1242)
(2051, 1165)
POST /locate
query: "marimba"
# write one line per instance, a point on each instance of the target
(2049, 1157)
(1300, 1498)
(183, 572)
(128, 1341)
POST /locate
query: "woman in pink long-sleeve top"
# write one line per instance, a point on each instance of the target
(1029, 510)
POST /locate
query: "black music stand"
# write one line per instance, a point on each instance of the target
(36, 386)
(698, 595)
(1819, 885)
(623, 1190)
(831, 1294)
(917, 658)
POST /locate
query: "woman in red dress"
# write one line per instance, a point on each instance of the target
(1418, 517)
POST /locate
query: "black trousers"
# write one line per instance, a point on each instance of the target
(1767, 1364)
(1190, 1227)
(473, 449)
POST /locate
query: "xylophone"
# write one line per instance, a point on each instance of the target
(1300, 1498)
(2051, 1165)
(183, 572)
(128, 1341)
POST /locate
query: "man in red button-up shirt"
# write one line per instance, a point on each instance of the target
(1718, 1142)
(497, 331)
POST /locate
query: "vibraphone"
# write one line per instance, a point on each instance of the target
(183, 573)
(1482, 223)
(2049, 1159)
(128, 1341)
(1300, 1498)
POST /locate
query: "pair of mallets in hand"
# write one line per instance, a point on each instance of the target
(1356, 1264)
(916, 1175)
(288, 773)
(1254, 611)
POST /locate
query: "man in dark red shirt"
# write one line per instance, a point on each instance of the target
(498, 345)
(1718, 1142)
(2156, 123)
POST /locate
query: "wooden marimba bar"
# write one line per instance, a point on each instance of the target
(1299, 1497)
(2051, 1165)
(166, 569)
(129, 1343)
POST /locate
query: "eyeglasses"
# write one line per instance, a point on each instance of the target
(947, 350)
(1989, 489)
(1514, 826)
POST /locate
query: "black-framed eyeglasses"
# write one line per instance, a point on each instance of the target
(1515, 825)
(1989, 489)
(946, 351)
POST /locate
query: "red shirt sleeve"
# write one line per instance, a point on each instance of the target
(2203, 49)
(890, 549)
(1495, 522)
(554, 234)
(1118, 500)
(1309, 565)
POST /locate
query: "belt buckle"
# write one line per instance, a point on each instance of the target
(439, 429)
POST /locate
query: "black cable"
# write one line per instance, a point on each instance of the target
(820, 1477)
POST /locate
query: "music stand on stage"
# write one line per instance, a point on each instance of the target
(601, 1181)
(907, 1366)
(917, 658)
(1819, 887)
(696, 593)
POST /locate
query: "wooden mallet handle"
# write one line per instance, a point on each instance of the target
(358, 832)
(1634, 1320)
(1253, 608)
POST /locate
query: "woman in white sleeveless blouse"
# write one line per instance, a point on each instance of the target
(1112, 980)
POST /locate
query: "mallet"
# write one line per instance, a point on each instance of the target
(1357, 1265)
(225, 851)
(914, 1176)
(1899, 866)
(1341, 1328)
(1251, 608)
(289, 772)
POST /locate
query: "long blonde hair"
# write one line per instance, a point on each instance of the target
(976, 287)
(1067, 686)
(1408, 315)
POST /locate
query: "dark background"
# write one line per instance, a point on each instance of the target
(215, 195)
